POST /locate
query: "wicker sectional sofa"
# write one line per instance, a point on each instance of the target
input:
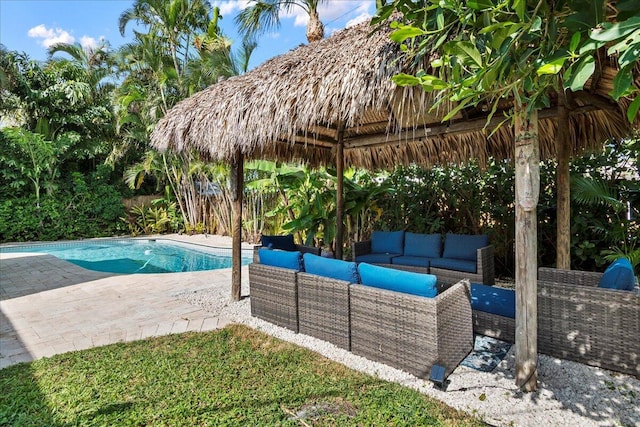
(412, 332)
(580, 321)
(577, 319)
(456, 258)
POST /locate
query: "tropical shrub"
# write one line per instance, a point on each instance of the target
(86, 206)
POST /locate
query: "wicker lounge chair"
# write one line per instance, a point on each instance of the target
(274, 295)
(323, 309)
(409, 332)
(579, 321)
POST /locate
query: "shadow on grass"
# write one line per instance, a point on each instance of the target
(22, 403)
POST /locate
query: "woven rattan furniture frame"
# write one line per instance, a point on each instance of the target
(579, 321)
(485, 266)
(274, 295)
(494, 325)
(302, 248)
(410, 332)
(323, 309)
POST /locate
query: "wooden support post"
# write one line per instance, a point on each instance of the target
(563, 147)
(527, 155)
(237, 189)
(340, 192)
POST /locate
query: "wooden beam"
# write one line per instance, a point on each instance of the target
(307, 141)
(427, 131)
(527, 155)
(597, 101)
(237, 189)
(437, 129)
(563, 213)
(340, 192)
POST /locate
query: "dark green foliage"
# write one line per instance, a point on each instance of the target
(470, 200)
(80, 208)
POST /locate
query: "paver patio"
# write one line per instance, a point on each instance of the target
(50, 306)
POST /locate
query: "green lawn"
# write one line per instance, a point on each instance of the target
(234, 376)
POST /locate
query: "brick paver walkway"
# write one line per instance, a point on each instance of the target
(50, 306)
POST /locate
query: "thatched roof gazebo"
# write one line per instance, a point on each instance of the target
(333, 102)
(296, 105)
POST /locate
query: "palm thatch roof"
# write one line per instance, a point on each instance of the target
(295, 105)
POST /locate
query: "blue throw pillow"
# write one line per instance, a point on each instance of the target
(424, 245)
(387, 242)
(464, 246)
(333, 268)
(285, 243)
(397, 280)
(282, 259)
(619, 275)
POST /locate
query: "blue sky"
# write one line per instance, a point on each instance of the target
(32, 25)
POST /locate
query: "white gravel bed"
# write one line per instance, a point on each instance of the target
(569, 394)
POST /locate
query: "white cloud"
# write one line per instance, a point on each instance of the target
(88, 42)
(228, 7)
(50, 36)
(358, 19)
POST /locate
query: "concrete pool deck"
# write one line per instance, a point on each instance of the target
(50, 306)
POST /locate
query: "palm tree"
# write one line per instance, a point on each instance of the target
(97, 63)
(175, 21)
(264, 15)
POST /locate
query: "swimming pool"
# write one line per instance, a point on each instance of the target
(135, 256)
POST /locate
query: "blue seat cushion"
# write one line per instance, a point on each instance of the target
(285, 243)
(398, 280)
(376, 258)
(619, 275)
(491, 299)
(333, 268)
(464, 246)
(282, 259)
(455, 264)
(387, 242)
(423, 245)
(414, 261)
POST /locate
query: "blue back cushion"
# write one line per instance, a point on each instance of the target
(282, 259)
(285, 243)
(425, 245)
(619, 275)
(333, 268)
(387, 242)
(491, 299)
(464, 246)
(397, 280)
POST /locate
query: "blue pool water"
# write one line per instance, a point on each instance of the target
(135, 256)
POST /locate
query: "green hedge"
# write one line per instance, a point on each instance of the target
(85, 207)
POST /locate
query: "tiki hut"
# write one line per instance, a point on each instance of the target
(298, 105)
(333, 102)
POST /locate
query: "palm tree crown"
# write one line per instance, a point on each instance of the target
(264, 15)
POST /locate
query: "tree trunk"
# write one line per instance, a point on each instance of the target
(315, 29)
(563, 239)
(527, 155)
(237, 188)
(340, 193)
